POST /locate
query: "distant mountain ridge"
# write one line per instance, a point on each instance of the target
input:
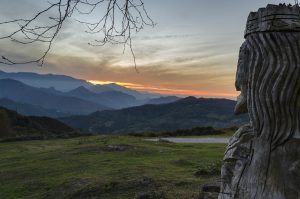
(59, 82)
(30, 110)
(66, 83)
(22, 93)
(54, 103)
(112, 99)
(163, 100)
(185, 113)
(15, 126)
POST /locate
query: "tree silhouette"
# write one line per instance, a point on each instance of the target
(115, 21)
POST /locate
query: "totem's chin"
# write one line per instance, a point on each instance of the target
(241, 106)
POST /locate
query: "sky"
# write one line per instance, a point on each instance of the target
(192, 50)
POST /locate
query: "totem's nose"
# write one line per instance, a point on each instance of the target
(241, 105)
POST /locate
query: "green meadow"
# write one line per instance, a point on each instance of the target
(106, 167)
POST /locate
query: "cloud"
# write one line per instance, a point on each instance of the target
(162, 67)
(154, 76)
(176, 55)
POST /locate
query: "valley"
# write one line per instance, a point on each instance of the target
(74, 140)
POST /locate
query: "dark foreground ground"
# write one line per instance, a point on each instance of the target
(106, 167)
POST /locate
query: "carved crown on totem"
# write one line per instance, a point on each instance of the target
(274, 18)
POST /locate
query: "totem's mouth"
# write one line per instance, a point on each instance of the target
(241, 106)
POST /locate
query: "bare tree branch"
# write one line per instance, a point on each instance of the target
(115, 25)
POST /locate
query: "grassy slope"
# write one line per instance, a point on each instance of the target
(106, 167)
(15, 126)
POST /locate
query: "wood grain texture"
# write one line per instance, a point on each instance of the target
(262, 160)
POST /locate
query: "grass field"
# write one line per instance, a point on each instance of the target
(106, 167)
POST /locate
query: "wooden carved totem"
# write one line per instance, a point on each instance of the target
(262, 160)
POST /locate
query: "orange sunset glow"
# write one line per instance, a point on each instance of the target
(168, 91)
(185, 54)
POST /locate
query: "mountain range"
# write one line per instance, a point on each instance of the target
(22, 93)
(59, 95)
(113, 99)
(185, 113)
(66, 83)
(30, 110)
(110, 108)
(14, 126)
(59, 82)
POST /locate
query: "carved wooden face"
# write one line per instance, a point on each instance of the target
(241, 81)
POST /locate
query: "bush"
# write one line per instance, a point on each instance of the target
(197, 131)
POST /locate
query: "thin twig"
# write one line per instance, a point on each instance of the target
(108, 26)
